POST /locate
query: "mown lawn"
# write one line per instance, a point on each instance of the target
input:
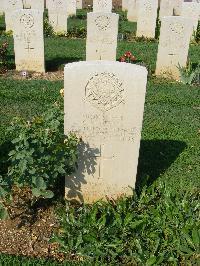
(170, 141)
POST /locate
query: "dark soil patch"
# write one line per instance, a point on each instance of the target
(29, 229)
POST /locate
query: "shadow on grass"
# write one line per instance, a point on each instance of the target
(58, 63)
(10, 62)
(5, 148)
(155, 158)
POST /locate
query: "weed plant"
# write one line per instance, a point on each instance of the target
(158, 227)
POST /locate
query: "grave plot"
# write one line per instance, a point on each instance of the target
(99, 159)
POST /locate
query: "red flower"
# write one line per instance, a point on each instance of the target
(128, 54)
(122, 59)
(133, 58)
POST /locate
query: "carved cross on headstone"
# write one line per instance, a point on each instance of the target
(102, 156)
(172, 56)
(29, 48)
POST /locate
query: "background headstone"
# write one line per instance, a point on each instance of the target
(177, 7)
(79, 4)
(166, 8)
(29, 40)
(1, 7)
(125, 5)
(132, 10)
(34, 4)
(102, 5)
(102, 32)
(147, 15)
(71, 7)
(57, 11)
(191, 10)
(104, 107)
(173, 46)
(9, 7)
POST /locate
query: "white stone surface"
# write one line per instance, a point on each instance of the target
(71, 8)
(166, 8)
(34, 4)
(147, 15)
(57, 12)
(79, 4)
(125, 5)
(102, 5)
(102, 31)
(177, 7)
(29, 40)
(191, 10)
(1, 7)
(173, 46)
(132, 10)
(104, 106)
(10, 6)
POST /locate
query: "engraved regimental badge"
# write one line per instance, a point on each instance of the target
(104, 91)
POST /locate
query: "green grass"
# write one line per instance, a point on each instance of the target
(9, 260)
(170, 136)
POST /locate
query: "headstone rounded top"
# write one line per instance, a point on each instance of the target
(106, 64)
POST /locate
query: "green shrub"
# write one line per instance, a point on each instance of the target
(3, 57)
(189, 74)
(41, 154)
(48, 29)
(157, 228)
(77, 32)
(197, 34)
(6, 33)
(158, 25)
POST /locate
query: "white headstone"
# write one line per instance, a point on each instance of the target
(71, 7)
(191, 10)
(79, 4)
(102, 32)
(104, 108)
(1, 7)
(125, 5)
(166, 8)
(29, 40)
(102, 5)
(177, 7)
(173, 46)
(147, 15)
(132, 10)
(10, 6)
(34, 4)
(57, 12)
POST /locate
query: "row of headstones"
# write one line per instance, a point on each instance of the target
(167, 7)
(58, 11)
(136, 13)
(102, 31)
(103, 106)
